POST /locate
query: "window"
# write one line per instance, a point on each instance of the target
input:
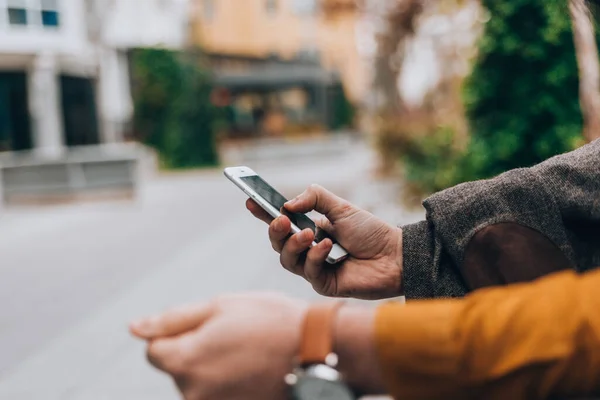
(35, 13)
(271, 6)
(17, 16)
(49, 12)
(17, 12)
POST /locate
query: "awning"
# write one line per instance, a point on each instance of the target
(276, 76)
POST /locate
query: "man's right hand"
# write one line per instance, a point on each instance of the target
(373, 269)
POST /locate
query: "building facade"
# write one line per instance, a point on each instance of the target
(64, 73)
(282, 59)
(285, 28)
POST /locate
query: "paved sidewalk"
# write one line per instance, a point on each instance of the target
(72, 277)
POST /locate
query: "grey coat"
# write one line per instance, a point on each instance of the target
(559, 198)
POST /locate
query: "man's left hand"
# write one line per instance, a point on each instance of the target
(235, 347)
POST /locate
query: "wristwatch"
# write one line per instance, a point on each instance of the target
(316, 376)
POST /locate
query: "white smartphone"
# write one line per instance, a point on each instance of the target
(272, 202)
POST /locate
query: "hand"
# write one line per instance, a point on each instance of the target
(241, 347)
(236, 347)
(372, 271)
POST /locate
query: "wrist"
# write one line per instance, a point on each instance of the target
(354, 344)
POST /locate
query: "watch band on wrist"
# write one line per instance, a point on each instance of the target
(316, 346)
(316, 376)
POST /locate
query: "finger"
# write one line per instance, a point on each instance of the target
(161, 353)
(173, 322)
(325, 225)
(258, 211)
(315, 259)
(279, 231)
(321, 200)
(294, 248)
(170, 354)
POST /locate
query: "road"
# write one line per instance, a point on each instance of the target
(72, 276)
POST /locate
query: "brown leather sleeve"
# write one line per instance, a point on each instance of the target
(508, 253)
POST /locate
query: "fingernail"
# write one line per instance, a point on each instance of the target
(141, 326)
(304, 236)
(292, 201)
(278, 224)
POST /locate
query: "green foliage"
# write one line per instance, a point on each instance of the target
(521, 102)
(173, 112)
(343, 110)
(431, 164)
(522, 97)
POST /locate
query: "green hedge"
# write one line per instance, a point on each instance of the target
(173, 112)
(343, 110)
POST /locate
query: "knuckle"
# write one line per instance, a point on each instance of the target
(313, 256)
(283, 261)
(273, 233)
(297, 246)
(276, 245)
(183, 362)
(152, 354)
(324, 224)
(179, 362)
(293, 244)
(315, 188)
(287, 263)
(345, 209)
(319, 288)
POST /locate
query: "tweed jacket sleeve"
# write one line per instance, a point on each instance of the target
(559, 199)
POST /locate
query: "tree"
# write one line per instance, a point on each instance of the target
(173, 112)
(421, 138)
(522, 97)
(400, 25)
(589, 67)
(392, 126)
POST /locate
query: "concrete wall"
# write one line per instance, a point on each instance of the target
(147, 23)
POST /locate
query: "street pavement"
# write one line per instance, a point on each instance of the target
(73, 276)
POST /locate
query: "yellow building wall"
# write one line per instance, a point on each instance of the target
(245, 27)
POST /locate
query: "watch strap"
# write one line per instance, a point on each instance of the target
(317, 333)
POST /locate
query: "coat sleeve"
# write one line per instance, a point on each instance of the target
(547, 199)
(526, 341)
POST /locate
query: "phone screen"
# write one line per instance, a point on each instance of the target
(276, 199)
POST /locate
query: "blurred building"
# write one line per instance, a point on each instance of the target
(282, 62)
(64, 74)
(64, 78)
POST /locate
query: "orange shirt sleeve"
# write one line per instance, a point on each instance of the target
(525, 341)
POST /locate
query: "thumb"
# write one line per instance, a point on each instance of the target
(173, 322)
(321, 200)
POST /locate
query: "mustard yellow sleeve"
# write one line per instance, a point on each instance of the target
(525, 341)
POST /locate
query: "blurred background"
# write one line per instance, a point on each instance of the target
(117, 117)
